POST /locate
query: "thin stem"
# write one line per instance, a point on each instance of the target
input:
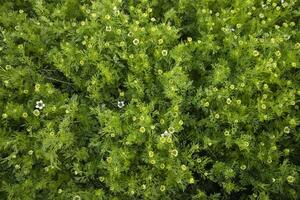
(53, 79)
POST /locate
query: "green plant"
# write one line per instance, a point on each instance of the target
(132, 99)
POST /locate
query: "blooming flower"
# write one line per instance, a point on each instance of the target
(164, 52)
(228, 101)
(243, 167)
(36, 112)
(226, 133)
(122, 44)
(183, 167)
(165, 134)
(174, 152)
(76, 197)
(290, 179)
(162, 188)
(171, 130)
(169, 139)
(121, 104)
(191, 181)
(206, 104)
(108, 28)
(136, 41)
(101, 178)
(286, 129)
(40, 105)
(255, 53)
(278, 53)
(151, 154)
(37, 87)
(142, 129)
(30, 152)
(162, 139)
(261, 15)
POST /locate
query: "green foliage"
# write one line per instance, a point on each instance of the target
(141, 99)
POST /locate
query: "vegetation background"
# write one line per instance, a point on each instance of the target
(159, 99)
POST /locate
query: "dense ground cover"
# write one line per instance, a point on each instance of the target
(160, 99)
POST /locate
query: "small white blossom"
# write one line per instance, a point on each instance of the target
(121, 104)
(165, 134)
(40, 104)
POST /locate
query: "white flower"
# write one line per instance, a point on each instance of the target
(165, 134)
(40, 105)
(121, 104)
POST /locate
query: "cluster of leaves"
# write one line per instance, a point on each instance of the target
(128, 99)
